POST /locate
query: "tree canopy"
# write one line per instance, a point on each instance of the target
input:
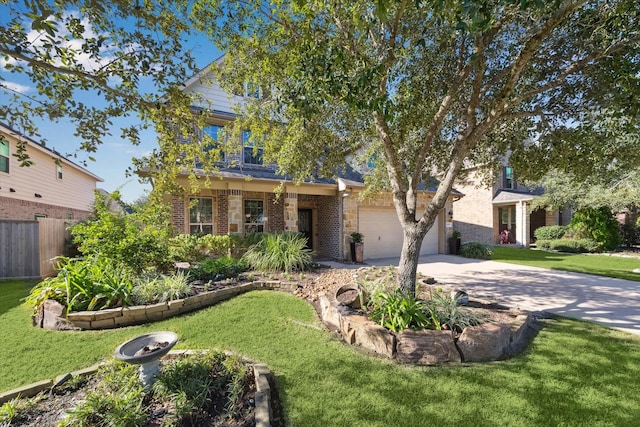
(424, 87)
(430, 87)
(94, 62)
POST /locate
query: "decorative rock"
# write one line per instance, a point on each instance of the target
(360, 331)
(426, 347)
(484, 342)
(51, 315)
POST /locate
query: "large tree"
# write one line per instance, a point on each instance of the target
(428, 87)
(425, 87)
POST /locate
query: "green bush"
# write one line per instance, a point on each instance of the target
(476, 250)
(630, 235)
(153, 288)
(397, 311)
(598, 224)
(550, 232)
(138, 240)
(543, 244)
(574, 245)
(285, 251)
(448, 312)
(92, 283)
(225, 267)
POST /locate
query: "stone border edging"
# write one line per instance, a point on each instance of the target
(482, 343)
(51, 314)
(262, 376)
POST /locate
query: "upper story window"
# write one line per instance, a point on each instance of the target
(201, 215)
(509, 182)
(252, 90)
(215, 132)
(251, 154)
(59, 171)
(4, 155)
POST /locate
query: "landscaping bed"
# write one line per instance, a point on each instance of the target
(193, 388)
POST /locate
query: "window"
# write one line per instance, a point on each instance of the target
(508, 178)
(201, 215)
(37, 216)
(214, 131)
(4, 155)
(254, 216)
(252, 91)
(59, 171)
(251, 155)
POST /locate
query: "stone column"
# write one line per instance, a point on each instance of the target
(291, 211)
(235, 211)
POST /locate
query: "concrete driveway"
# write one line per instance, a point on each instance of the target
(611, 302)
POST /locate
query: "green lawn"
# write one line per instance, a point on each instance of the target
(574, 373)
(600, 265)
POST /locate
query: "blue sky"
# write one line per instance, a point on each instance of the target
(114, 154)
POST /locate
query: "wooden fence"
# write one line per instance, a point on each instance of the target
(27, 248)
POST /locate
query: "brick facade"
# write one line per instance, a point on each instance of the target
(178, 213)
(25, 210)
(222, 220)
(275, 212)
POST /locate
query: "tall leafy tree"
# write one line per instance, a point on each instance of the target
(430, 86)
(426, 86)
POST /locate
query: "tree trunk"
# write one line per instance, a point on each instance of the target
(408, 265)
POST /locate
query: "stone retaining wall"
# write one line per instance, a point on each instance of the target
(51, 315)
(485, 342)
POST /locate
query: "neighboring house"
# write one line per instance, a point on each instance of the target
(485, 213)
(53, 187)
(326, 211)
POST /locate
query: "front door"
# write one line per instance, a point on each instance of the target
(305, 222)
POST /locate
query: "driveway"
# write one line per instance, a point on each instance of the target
(611, 302)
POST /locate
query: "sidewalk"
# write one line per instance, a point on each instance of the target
(611, 302)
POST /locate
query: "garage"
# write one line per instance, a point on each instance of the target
(383, 234)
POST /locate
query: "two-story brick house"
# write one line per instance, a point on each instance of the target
(484, 214)
(52, 187)
(242, 198)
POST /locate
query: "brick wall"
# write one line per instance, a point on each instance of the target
(27, 210)
(329, 227)
(275, 212)
(222, 221)
(473, 214)
(178, 214)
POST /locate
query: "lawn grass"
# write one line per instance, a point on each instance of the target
(599, 265)
(574, 373)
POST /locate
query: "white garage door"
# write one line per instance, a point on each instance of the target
(383, 234)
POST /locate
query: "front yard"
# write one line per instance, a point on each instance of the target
(598, 264)
(573, 373)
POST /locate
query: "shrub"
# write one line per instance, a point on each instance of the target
(550, 232)
(397, 311)
(543, 244)
(285, 251)
(138, 240)
(574, 245)
(448, 312)
(92, 283)
(598, 224)
(476, 250)
(630, 234)
(152, 288)
(224, 267)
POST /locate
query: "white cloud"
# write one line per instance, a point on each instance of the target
(16, 87)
